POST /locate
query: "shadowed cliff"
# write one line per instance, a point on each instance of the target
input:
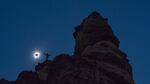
(97, 59)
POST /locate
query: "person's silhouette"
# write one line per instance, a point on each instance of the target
(47, 56)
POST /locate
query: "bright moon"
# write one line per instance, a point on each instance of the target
(36, 55)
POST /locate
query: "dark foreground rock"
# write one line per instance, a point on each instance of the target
(97, 59)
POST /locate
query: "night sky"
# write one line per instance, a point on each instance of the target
(47, 25)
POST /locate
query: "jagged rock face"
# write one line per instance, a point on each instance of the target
(42, 70)
(98, 64)
(97, 59)
(93, 29)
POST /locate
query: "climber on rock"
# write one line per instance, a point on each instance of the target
(47, 56)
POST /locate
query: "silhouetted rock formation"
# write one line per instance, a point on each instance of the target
(97, 59)
(3, 81)
(93, 29)
(28, 77)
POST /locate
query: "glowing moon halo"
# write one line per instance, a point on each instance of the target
(36, 55)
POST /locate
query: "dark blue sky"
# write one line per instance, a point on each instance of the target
(47, 25)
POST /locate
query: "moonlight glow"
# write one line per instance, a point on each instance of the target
(36, 55)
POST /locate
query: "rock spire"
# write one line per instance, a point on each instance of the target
(93, 29)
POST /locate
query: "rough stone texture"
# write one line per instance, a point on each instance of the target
(97, 59)
(93, 29)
